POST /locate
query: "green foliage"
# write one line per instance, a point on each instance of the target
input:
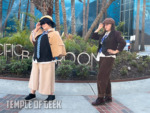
(72, 46)
(65, 69)
(18, 67)
(82, 70)
(117, 60)
(92, 49)
(2, 63)
(128, 55)
(35, 19)
(147, 59)
(133, 63)
(131, 56)
(78, 45)
(3, 40)
(68, 69)
(15, 66)
(17, 24)
(125, 56)
(61, 27)
(140, 68)
(19, 38)
(120, 26)
(132, 60)
(68, 62)
(144, 64)
(124, 70)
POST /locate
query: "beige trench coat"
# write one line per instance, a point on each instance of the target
(56, 43)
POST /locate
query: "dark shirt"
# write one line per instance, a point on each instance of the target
(114, 41)
(45, 50)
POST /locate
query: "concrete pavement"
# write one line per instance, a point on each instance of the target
(132, 96)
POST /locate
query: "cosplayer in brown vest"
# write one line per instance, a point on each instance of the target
(48, 46)
(110, 43)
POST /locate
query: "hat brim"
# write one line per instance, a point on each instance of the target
(48, 21)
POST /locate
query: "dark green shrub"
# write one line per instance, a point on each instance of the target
(20, 37)
(69, 69)
(82, 70)
(2, 64)
(3, 40)
(18, 67)
(133, 63)
(124, 70)
(144, 64)
(68, 62)
(76, 44)
(147, 59)
(140, 68)
(72, 46)
(92, 49)
(65, 69)
(120, 26)
(117, 60)
(131, 56)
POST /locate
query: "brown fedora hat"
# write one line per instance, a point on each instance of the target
(109, 21)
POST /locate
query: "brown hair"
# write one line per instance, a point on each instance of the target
(109, 21)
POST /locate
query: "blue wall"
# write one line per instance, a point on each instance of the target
(147, 16)
(113, 12)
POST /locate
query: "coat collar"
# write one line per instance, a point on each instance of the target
(40, 31)
(111, 33)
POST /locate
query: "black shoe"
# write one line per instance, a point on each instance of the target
(30, 97)
(108, 99)
(99, 101)
(50, 98)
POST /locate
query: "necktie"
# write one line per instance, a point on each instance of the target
(38, 44)
(102, 40)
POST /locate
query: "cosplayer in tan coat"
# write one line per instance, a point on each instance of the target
(48, 46)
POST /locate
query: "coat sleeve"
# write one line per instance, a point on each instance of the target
(121, 41)
(34, 36)
(31, 38)
(96, 36)
(57, 45)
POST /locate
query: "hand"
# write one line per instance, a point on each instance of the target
(99, 27)
(110, 51)
(38, 26)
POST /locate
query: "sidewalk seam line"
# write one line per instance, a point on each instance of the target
(92, 88)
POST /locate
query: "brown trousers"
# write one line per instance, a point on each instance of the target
(103, 80)
(42, 78)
